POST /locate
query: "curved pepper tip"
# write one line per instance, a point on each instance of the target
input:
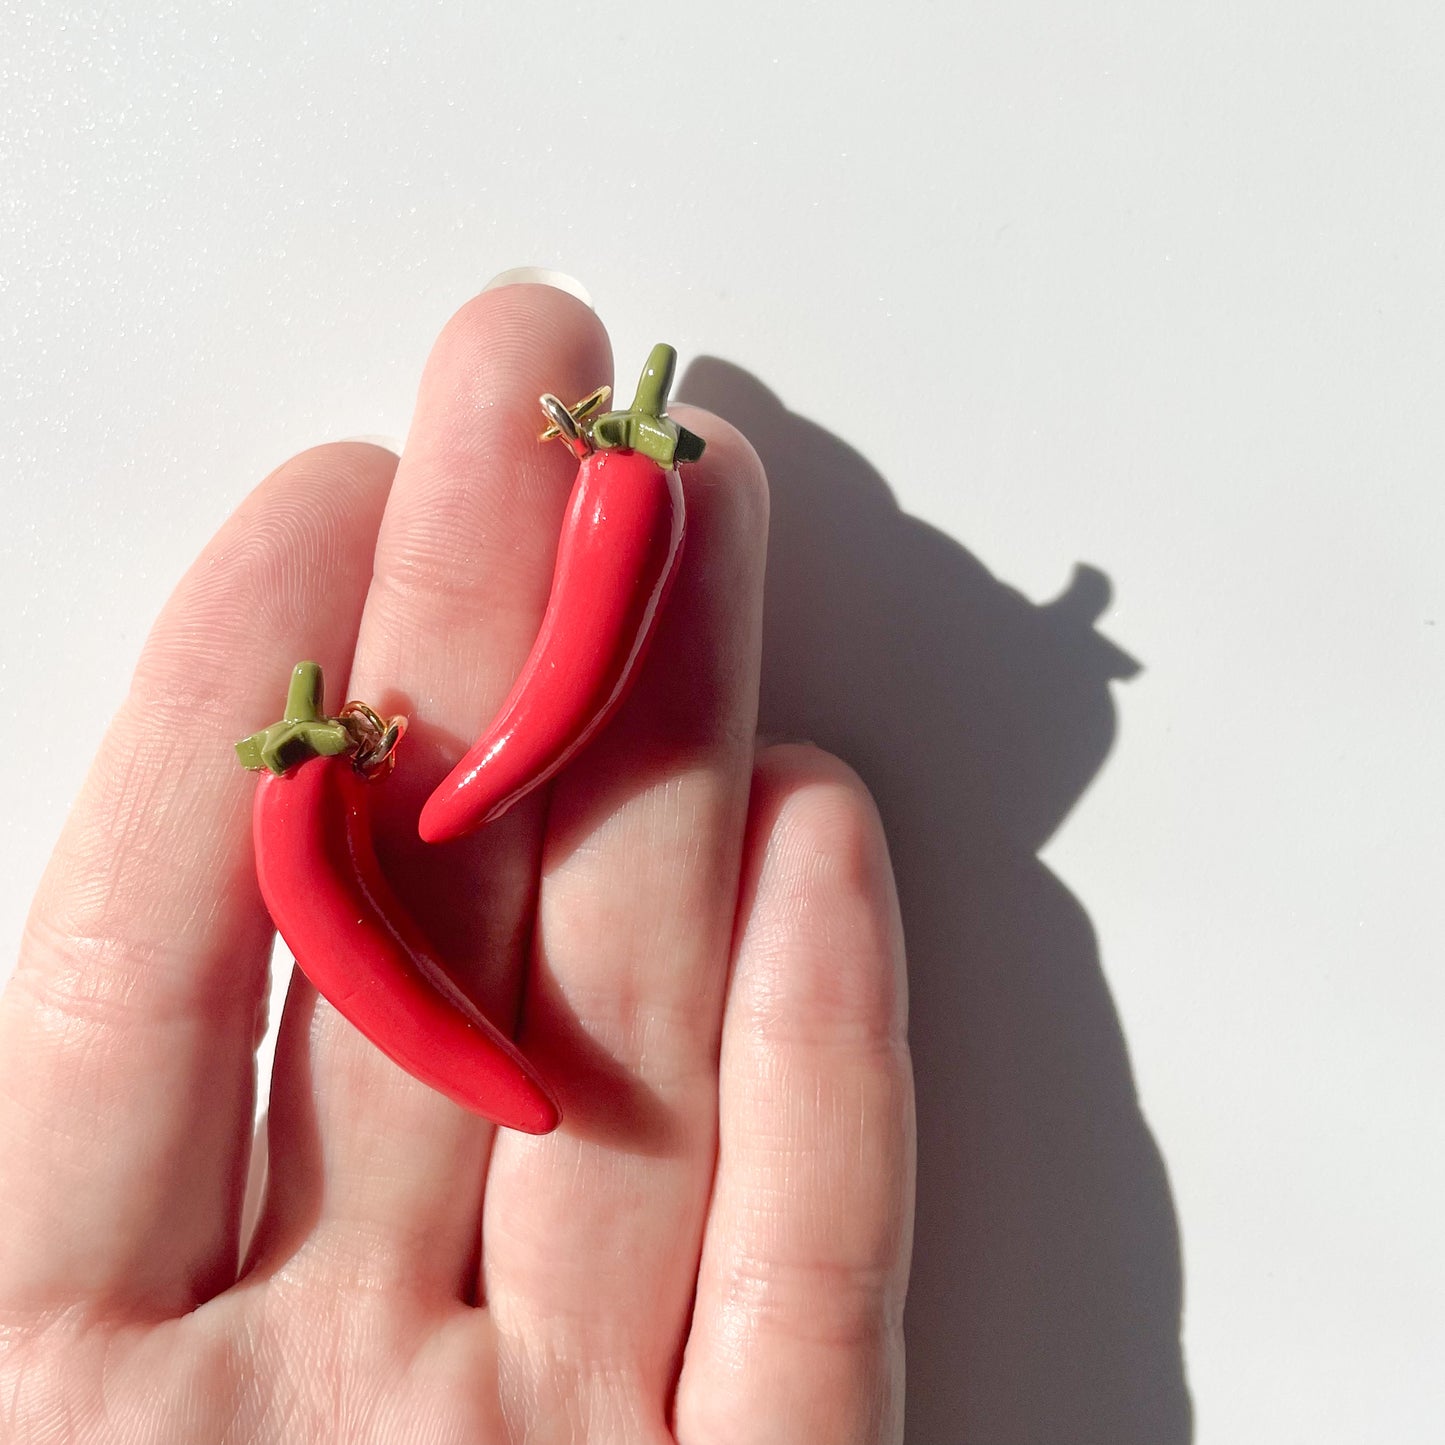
(453, 812)
(542, 1120)
(529, 1106)
(439, 822)
(431, 826)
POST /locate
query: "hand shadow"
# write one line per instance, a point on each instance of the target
(1045, 1302)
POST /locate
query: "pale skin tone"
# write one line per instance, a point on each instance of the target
(701, 936)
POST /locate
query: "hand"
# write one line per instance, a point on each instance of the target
(702, 938)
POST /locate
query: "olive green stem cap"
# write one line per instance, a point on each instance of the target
(646, 427)
(303, 733)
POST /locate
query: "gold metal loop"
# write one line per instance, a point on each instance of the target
(566, 421)
(375, 737)
(564, 425)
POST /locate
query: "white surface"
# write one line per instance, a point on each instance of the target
(1154, 288)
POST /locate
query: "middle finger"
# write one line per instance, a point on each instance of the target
(592, 1234)
(384, 1173)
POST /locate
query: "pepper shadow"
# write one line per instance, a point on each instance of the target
(1046, 1293)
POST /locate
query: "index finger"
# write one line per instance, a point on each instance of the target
(128, 1032)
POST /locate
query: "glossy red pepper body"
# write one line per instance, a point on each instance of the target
(353, 939)
(350, 935)
(616, 560)
(618, 554)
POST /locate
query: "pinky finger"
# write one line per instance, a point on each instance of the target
(797, 1328)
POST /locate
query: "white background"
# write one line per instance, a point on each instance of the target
(998, 289)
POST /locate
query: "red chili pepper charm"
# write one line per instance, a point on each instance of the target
(350, 935)
(616, 559)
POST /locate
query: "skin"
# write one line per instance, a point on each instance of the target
(701, 936)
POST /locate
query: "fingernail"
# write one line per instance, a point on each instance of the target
(391, 444)
(541, 276)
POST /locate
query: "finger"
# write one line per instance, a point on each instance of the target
(127, 1037)
(375, 1162)
(797, 1330)
(592, 1235)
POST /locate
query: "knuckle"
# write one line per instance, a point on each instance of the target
(819, 1300)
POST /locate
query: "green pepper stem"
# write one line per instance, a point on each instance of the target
(304, 732)
(303, 696)
(655, 381)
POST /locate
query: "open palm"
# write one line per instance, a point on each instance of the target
(700, 941)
